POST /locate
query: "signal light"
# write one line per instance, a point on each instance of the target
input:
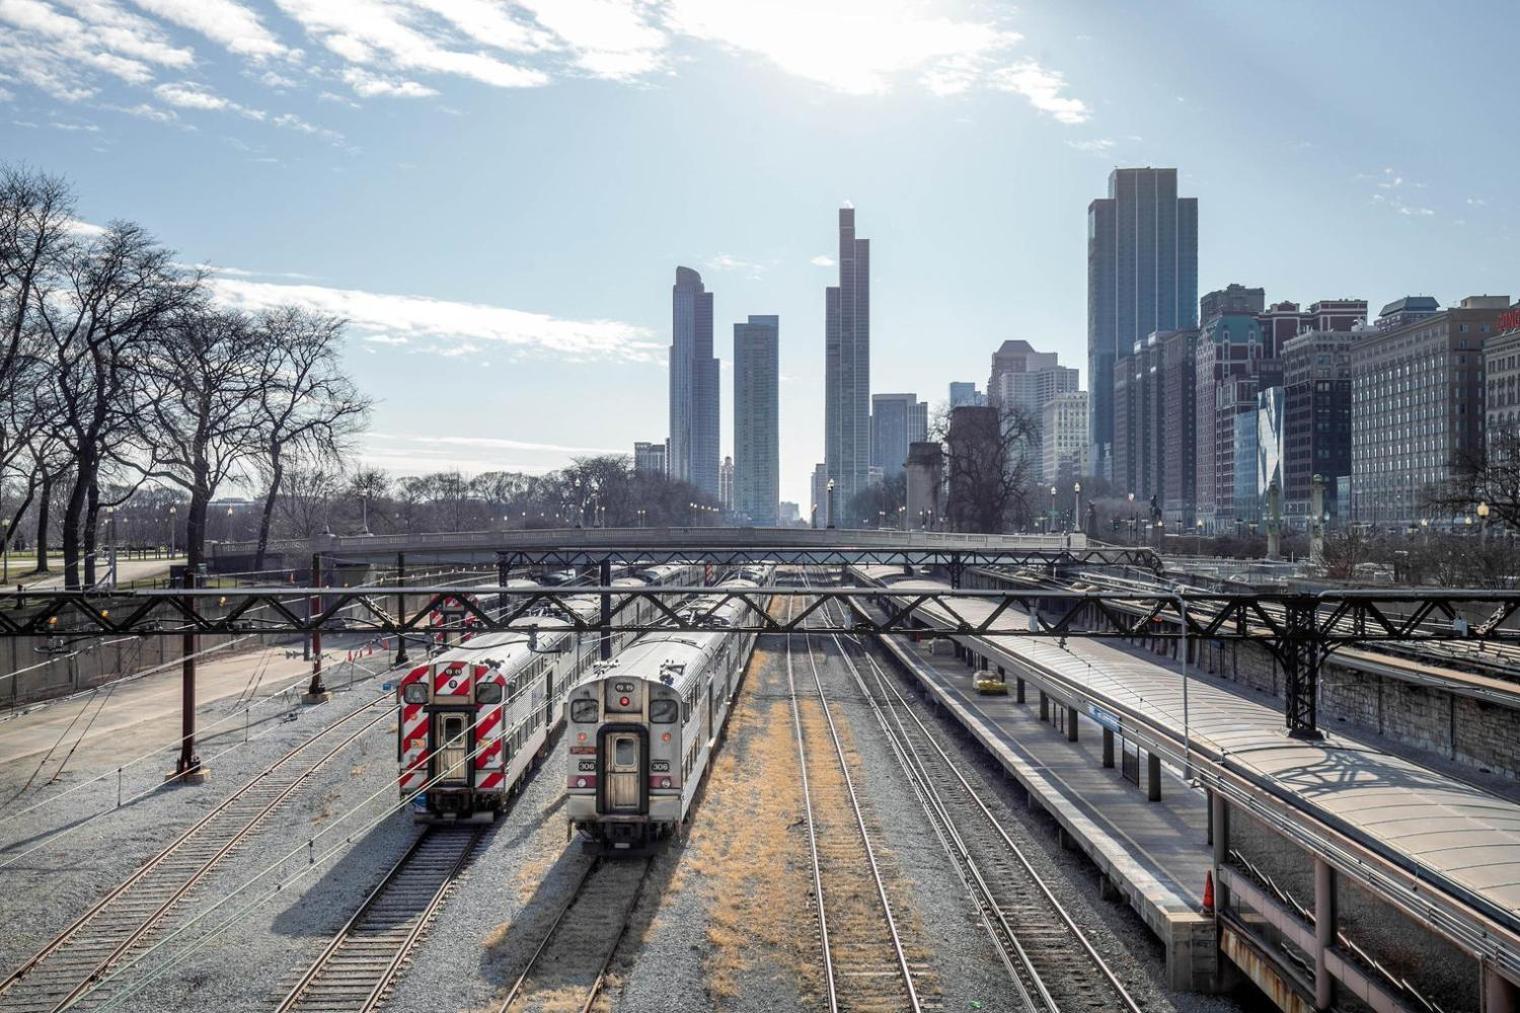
(622, 701)
(580, 737)
(665, 737)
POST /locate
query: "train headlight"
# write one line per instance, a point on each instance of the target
(664, 782)
(665, 737)
(488, 692)
(414, 692)
(580, 782)
(580, 736)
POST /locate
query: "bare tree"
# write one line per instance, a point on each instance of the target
(308, 405)
(988, 468)
(99, 314)
(200, 411)
(1488, 474)
(368, 485)
(35, 213)
(310, 487)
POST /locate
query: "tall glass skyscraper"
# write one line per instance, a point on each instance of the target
(757, 429)
(694, 395)
(1142, 276)
(847, 366)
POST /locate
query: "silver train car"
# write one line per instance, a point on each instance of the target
(477, 717)
(641, 729)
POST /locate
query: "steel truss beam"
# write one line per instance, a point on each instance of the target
(955, 559)
(1328, 620)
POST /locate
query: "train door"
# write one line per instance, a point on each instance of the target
(451, 748)
(624, 779)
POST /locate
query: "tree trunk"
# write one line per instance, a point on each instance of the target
(89, 539)
(276, 474)
(73, 518)
(44, 507)
(195, 529)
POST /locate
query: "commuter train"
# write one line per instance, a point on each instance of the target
(477, 717)
(641, 730)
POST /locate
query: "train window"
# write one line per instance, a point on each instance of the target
(488, 692)
(663, 712)
(583, 710)
(625, 751)
(414, 692)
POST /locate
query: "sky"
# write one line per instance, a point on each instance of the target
(496, 193)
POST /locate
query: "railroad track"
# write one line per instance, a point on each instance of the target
(582, 939)
(355, 972)
(1053, 965)
(66, 972)
(866, 966)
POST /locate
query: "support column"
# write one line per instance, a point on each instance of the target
(1219, 824)
(188, 769)
(1152, 777)
(1044, 706)
(1300, 654)
(1108, 748)
(401, 657)
(1071, 724)
(1324, 932)
(503, 569)
(606, 636)
(1500, 995)
(1018, 690)
(317, 691)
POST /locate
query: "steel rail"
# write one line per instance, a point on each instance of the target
(70, 934)
(865, 836)
(920, 771)
(386, 965)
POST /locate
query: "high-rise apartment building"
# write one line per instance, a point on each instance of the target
(818, 487)
(1417, 407)
(726, 485)
(694, 394)
(1234, 362)
(1406, 311)
(896, 421)
(1137, 446)
(965, 395)
(1501, 357)
(1177, 448)
(1063, 443)
(1025, 380)
(1142, 277)
(757, 429)
(1317, 405)
(649, 458)
(847, 366)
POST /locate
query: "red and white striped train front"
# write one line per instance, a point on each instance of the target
(453, 761)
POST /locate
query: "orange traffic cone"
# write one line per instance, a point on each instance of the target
(1208, 892)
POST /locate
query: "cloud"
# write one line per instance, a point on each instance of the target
(490, 442)
(384, 318)
(88, 128)
(728, 262)
(188, 95)
(6, 96)
(1096, 146)
(612, 39)
(1043, 89)
(822, 260)
(222, 21)
(369, 85)
(1476, 202)
(1415, 212)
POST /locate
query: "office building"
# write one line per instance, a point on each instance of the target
(1177, 449)
(726, 485)
(790, 514)
(1233, 363)
(757, 422)
(694, 394)
(965, 395)
(847, 365)
(1317, 406)
(896, 421)
(1417, 406)
(1063, 432)
(1023, 379)
(1233, 298)
(1142, 277)
(1501, 357)
(1137, 419)
(818, 487)
(1406, 311)
(1267, 468)
(649, 458)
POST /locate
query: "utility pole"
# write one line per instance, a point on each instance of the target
(401, 657)
(316, 692)
(188, 769)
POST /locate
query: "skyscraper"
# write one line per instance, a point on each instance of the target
(649, 458)
(757, 440)
(896, 421)
(694, 395)
(964, 394)
(1142, 277)
(726, 485)
(847, 366)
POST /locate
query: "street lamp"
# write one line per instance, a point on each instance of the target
(1425, 529)
(5, 547)
(1052, 508)
(1198, 537)
(1076, 506)
(1483, 522)
(111, 543)
(172, 511)
(1132, 517)
(830, 517)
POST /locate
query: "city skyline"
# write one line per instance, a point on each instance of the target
(494, 297)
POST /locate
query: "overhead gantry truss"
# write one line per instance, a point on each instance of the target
(954, 560)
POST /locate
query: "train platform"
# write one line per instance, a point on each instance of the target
(144, 708)
(1155, 855)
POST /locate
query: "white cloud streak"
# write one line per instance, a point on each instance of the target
(384, 318)
(222, 21)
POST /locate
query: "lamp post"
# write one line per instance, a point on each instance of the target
(172, 511)
(1132, 517)
(111, 544)
(1425, 529)
(1076, 506)
(830, 517)
(1483, 522)
(1198, 537)
(5, 547)
(1052, 509)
